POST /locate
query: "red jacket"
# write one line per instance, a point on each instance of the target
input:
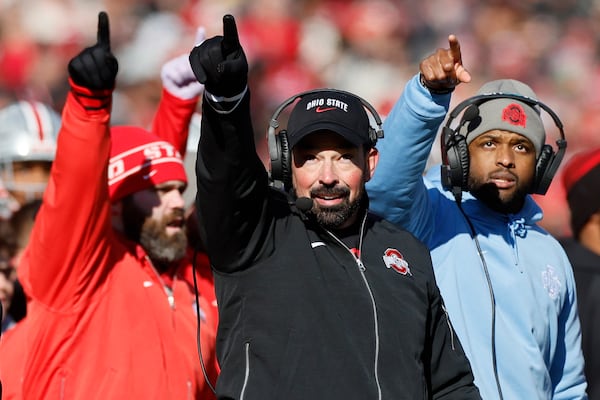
(171, 123)
(99, 323)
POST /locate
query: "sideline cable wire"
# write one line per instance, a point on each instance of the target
(198, 322)
(492, 297)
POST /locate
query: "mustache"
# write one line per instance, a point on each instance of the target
(323, 191)
(176, 215)
(503, 174)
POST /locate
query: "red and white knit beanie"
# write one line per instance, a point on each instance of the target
(581, 177)
(140, 160)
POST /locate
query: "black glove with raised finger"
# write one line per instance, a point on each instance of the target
(95, 67)
(220, 63)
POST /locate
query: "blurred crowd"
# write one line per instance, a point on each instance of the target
(369, 47)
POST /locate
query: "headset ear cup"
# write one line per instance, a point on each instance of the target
(543, 177)
(285, 158)
(275, 157)
(457, 162)
(372, 137)
(279, 158)
(462, 172)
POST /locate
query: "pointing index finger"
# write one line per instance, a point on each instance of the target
(461, 72)
(103, 30)
(455, 49)
(231, 40)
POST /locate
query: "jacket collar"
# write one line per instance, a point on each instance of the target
(530, 214)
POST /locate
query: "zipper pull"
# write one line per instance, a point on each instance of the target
(361, 266)
(170, 297)
(356, 253)
(449, 326)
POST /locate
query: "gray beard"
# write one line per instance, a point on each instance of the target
(162, 248)
(151, 235)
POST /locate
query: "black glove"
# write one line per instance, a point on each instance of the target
(96, 67)
(220, 63)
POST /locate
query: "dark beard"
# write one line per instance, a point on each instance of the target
(332, 218)
(489, 194)
(151, 235)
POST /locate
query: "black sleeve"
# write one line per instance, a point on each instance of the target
(232, 187)
(447, 369)
(450, 374)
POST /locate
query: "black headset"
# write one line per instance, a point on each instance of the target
(279, 149)
(455, 151)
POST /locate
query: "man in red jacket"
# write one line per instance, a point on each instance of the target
(113, 312)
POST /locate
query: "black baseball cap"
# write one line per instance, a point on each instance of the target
(331, 110)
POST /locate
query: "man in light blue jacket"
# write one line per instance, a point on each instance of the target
(507, 283)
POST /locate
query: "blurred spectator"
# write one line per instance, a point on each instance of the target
(8, 247)
(8, 204)
(158, 37)
(28, 134)
(581, 180)
(22, 224)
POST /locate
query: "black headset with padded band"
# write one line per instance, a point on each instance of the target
(279, 149)
(455, 151)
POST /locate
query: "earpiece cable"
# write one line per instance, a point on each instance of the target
(198, 323)
(492, 298)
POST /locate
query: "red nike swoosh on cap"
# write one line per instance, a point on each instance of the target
(320, 110)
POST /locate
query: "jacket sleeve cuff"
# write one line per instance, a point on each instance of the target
(91, 99)
(222, 104)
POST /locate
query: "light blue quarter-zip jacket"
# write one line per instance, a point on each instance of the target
(537, 337)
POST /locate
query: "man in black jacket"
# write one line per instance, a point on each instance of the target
(318, 299)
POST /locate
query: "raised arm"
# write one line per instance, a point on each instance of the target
(397, 191)
(232, 181)
(63, 263)
(179, 99)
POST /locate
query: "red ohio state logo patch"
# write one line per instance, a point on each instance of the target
(514, 115)
(393, 259)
